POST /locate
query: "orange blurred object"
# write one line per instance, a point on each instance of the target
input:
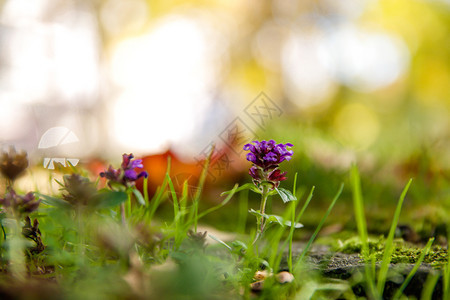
(156, 167)
(226, 168)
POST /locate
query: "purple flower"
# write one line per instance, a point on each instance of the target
(127, 174)
(19, 204)
(266, 157)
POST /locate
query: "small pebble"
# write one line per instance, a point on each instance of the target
(260, 275)
(285, 277)
(257, 286)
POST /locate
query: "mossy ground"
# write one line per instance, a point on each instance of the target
(403, 252)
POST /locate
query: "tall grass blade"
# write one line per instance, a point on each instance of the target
(446, 271)
(411, 274)
(291, 233)
(183, 200)
(430, 285)
(308, 245)
(173, 193)
(145, 190)
(291, 211)
(221, 204)
(194, 212)
(158, 197)
(274, 241)
(358, 205)
(389, 244)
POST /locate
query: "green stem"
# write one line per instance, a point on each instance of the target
(16, 251)
(81, 241)
(262, 210)
(122, 214)
(128, 212)
(260, 222)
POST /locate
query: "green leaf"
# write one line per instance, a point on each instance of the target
(223, 203)
(53, 201)
(247, 186)
(275, 219)
(286, 195)
(238, 245)
(239, 248)
(117, 186)
(106, 198)
(139, 197)
(220, 241)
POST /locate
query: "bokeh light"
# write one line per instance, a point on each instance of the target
(166, 78)
(145, 76)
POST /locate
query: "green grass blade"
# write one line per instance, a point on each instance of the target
(430, 285)
(183, 200)
(274, 241)
(221, 204)
(157, 199)
(292, 228)
(291, 233)
(139, 198)
(194, 211)
(405, 283)
(446, 271)
(145, 190)
(389, 245)
(358, 204)
(308, 245)
(176, 207)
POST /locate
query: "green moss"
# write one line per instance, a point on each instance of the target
(403, 252)
(410, 254)
(354, 245)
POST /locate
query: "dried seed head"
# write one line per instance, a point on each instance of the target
(198, 239)
(13, 163)
(78, 190)
(33, 233)
(285, 277)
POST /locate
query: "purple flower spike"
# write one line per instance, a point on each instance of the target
(266, 157)
(127, 174)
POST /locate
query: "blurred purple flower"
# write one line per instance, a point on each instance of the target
(127, 174)
(266, 157)
(19, 204)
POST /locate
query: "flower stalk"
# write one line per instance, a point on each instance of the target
(260, 220)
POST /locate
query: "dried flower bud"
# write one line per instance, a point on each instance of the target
(198, 239)
(13, 163)
(79, 189)
(33, 233)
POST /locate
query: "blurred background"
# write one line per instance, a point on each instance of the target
(362, 81)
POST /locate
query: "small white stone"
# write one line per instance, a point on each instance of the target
(285, 277)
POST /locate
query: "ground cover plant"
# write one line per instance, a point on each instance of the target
(87, 241)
